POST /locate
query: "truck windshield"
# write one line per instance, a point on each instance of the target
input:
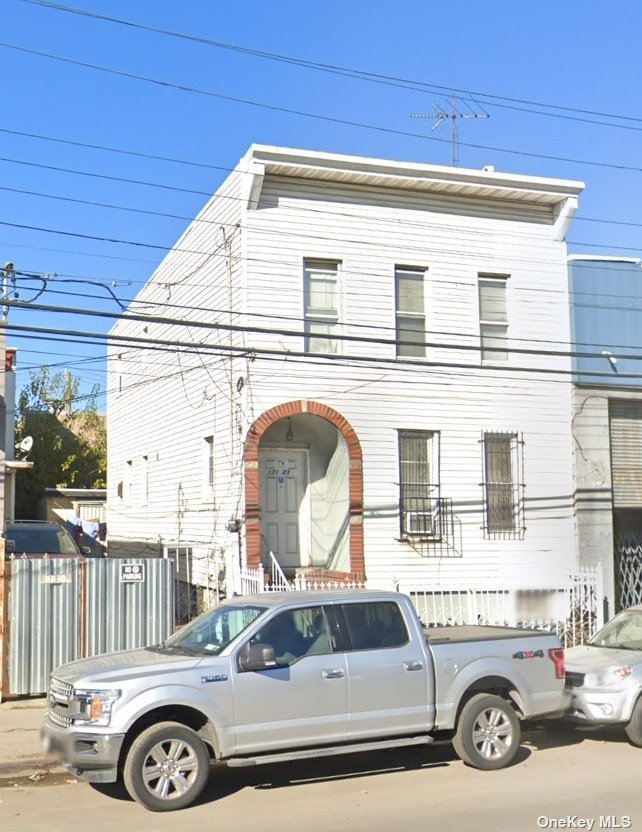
(624, 632)
(212, 631)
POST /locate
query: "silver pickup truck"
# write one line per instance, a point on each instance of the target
(296, 675)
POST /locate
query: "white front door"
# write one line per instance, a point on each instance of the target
(285, 505)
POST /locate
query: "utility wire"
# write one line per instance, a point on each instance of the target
(361, 339)
(227, 169)
(364, 75)
(356, 325)
(318, 116)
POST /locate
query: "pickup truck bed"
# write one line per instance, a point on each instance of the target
(476, 632)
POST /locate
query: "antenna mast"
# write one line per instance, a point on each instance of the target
(440, 115)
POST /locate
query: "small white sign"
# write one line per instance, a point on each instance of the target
(132, 573)
(64, 578)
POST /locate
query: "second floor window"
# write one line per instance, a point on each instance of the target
(321, 301)
(410, 312)
(419, 483)
(493, 319)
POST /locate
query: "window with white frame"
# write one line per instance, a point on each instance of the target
(493, 318)
(410, 312)
(208, 468)
(321, 302)
(419, 504)
(503, 485)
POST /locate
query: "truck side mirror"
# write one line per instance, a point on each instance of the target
(256, 657)
(10, 546)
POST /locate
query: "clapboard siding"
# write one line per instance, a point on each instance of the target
(171, 401)
(369, 230)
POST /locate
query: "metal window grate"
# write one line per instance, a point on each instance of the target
(503, 484)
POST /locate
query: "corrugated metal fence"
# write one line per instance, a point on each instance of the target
(57, 610)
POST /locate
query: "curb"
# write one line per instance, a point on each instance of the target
(30, 771)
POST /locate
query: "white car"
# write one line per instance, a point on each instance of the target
(604, 676)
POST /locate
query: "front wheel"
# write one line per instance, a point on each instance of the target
(488, 732)
(634, 727)
(167, 767)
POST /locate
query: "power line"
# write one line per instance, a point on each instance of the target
(146, 183)
(318, 116)
(445, 226)
(246, 351)
(355, 325)
(106, 176)
(208, 194)
(186, 162)
(562, 111)
(208, 254)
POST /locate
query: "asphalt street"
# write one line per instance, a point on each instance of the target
(562, 780)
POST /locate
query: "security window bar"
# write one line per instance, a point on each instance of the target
(321, 301)
(503, 486)
(410, 312)
(493, 319)
(419, 503)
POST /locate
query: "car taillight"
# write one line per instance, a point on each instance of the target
(556, 655)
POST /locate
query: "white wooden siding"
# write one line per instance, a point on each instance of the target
(369, 231)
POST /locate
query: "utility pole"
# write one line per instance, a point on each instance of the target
(8, 275)
(440, 115)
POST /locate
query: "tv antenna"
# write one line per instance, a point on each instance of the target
(453, 115)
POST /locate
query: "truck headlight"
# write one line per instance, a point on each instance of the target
(94, 706)
(607, 678)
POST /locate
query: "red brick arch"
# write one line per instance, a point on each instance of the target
(252, 481)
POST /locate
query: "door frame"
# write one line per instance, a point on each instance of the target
(305, 508)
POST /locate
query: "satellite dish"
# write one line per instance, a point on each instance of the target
(25, 445)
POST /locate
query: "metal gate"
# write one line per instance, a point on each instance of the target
(56, 610)
(628, 561)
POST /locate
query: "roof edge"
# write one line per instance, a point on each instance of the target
(323, 161)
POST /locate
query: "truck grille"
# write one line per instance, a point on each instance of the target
(574, 680)
(61, 690)
(58, 719)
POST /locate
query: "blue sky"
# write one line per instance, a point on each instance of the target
(586, 57)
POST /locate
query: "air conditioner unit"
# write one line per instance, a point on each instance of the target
(422, 523)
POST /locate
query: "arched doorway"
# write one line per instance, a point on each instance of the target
(304, 490)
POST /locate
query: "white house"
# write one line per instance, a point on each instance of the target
(358, 365)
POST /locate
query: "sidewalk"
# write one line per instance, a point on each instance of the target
(22, 757)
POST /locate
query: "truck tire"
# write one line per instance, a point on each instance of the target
(488, 732)
(166, 767)
(634, 726)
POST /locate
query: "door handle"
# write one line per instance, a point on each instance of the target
(335, 673)
(414, 665)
